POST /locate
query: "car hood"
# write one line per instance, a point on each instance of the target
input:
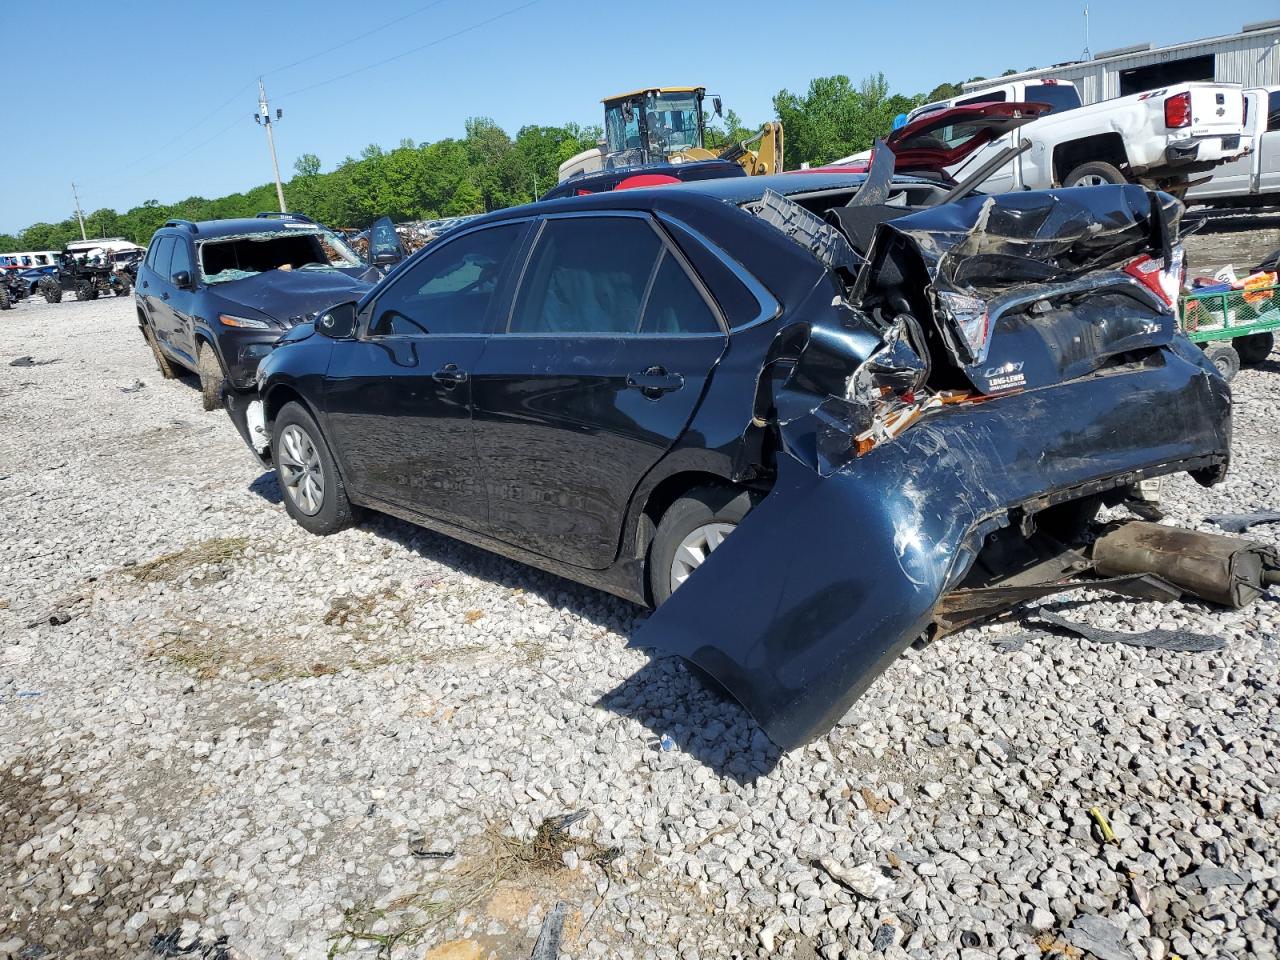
(918, 146)
(292, 295)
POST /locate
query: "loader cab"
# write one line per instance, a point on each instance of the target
(647, 126)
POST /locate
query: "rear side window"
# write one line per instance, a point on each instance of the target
(1273, 111)
(164, 255)
(996, 97)
(674, 304)
(153, 250)
(587, 275)
(1058, 95)
(608, 275)
(731, 294)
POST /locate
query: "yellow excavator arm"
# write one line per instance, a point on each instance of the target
(767, 157)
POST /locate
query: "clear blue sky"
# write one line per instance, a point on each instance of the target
(151, 100)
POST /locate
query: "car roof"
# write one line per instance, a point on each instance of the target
(732, 190)
(213, 229)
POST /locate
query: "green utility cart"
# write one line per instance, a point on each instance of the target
(1234, 327)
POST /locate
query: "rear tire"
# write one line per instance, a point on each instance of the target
(86, 291)
(50, 290)
(4, 297)
(1224, 357)
(301, 458)
(162, 362)
(691, 528)
(211, 377)
(1092, 174)
(1254, 348)
(123, 288)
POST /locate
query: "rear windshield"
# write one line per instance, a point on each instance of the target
(235, 258)
(1057, 95)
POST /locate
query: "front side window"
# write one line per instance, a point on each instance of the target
(450, 289)
(996, 97)
(606, 275)
(1273, 111)
(181, 257)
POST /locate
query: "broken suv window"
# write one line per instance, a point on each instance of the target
(234, 258)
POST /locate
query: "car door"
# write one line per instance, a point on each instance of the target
(180, 300)
(399, 396)
(600, 364)
(1269, 148)
(155, 288)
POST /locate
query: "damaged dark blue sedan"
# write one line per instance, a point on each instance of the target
(867, 395)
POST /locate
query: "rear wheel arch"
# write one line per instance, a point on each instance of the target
(660, 499)
(1104, 147)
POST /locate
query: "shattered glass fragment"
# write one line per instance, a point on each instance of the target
(1180, 641)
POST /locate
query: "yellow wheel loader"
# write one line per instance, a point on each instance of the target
(660, 125)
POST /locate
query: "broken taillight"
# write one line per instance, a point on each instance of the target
(1177, 110)
(971, 320)
(1164, 281)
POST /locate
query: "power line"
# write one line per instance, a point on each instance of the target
(418, 49)
(355, 39)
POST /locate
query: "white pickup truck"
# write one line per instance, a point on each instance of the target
(1254, 179)
(1160, 138)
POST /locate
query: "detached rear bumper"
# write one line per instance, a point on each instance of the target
(829, 578)
(239, 405)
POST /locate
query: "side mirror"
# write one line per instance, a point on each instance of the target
(182, 280)
(386, 258)
(719, 107)
(338, 322)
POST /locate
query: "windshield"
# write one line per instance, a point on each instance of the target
(672, 122)
(234, 258)
(1059, 96)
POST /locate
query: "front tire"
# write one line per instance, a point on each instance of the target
(313, 490)
(691, 528)
(51, 291)
(211, 377)
(123, 288)
(1094, 173)
(86, 291)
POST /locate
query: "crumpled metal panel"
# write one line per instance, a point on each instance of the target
(840, 566)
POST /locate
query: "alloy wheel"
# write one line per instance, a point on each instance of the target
(1092, 180)
(300, 469)
(695, 548)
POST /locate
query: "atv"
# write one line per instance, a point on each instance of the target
(90, 275)
(12, 289)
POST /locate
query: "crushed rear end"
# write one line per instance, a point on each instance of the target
(1024, 366)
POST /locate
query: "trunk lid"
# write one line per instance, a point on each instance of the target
(944, 138)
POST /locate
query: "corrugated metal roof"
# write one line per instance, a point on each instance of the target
(1250, 58)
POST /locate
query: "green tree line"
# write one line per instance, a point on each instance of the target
(487, 169)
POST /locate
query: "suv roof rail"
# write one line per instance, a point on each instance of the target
(182, 223)
(282, 215)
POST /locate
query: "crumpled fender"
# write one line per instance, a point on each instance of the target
(829, 577)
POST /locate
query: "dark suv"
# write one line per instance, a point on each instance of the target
(214, 296)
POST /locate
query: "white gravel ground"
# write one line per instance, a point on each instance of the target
(221, 737)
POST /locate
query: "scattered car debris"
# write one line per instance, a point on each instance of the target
(1223, 570)
(134, 387)
(547, 946)
(419, 848)
(1240, 522)
(1180, 641)
(172, 944)
(29, 361)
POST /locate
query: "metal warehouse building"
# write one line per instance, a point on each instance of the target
(1250, 57)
